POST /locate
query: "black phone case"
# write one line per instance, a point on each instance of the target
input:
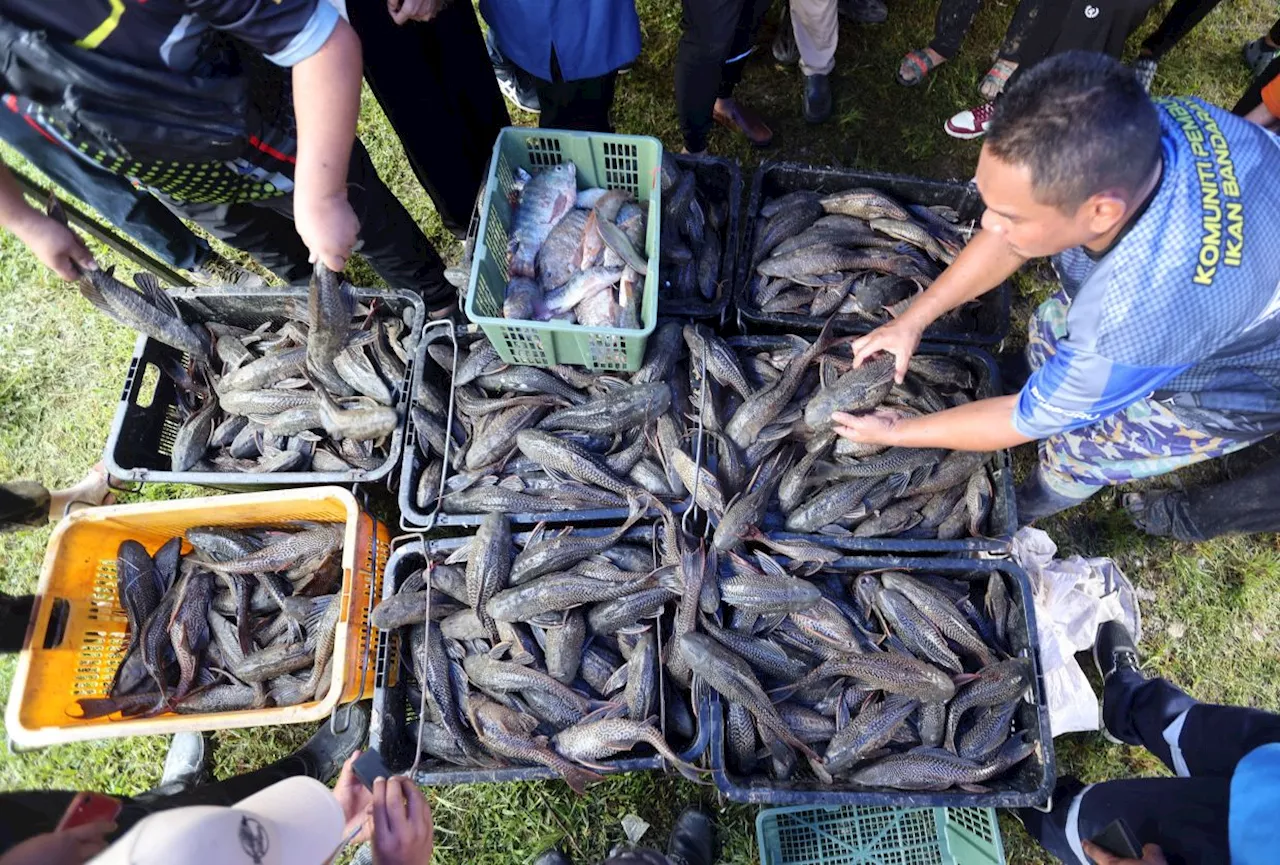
(369, 766)
(1118, 840)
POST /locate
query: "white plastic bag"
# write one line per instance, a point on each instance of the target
(1072, 597)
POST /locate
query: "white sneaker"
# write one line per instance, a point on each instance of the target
(972, 122)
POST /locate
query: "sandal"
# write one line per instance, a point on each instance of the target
(917, 65)
(996, 78)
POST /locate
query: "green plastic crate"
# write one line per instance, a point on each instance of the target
(879, 835)
(629, 162)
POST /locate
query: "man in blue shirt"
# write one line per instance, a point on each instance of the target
(573, 51)
(1221, 807)
(1162, 348)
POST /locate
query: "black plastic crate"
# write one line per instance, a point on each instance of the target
(1032, 784)
(1003, 519)
(143, 431)
(773, 179)
(413, 518)
(719, 179)
(392, 730)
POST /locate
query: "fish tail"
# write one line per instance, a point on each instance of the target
(577, 777)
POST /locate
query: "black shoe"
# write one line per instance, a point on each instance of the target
(693, 838)
(187, 763)
(326, 751)
(1113, 649)
(817, 98)
(864, 11)
(552, 856)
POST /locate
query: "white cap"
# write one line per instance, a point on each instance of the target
(294, 822)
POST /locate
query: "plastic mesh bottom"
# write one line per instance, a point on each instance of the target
(862, 835)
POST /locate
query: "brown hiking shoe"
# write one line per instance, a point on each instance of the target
(730, 114)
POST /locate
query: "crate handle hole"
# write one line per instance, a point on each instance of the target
(148, 386)
(58, 618)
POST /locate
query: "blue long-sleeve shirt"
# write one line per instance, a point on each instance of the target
(590, 38)
(1185, 307)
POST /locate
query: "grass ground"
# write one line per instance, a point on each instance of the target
(1212, 610)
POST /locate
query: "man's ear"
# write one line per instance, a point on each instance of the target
(1103, 212)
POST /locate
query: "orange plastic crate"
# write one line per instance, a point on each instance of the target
(75, 653)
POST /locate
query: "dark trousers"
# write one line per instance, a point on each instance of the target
(1183, 16)
(134, 211)
(717, 36)
(1253, 96)
(1187, 815)
(24, 814)
(583, 104)
(955, 17)
(1060, 27)
(434, 81)
(1243, 505)
(389, 240)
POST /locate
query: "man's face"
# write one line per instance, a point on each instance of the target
(1030, 228)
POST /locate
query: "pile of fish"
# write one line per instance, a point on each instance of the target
(574, 256)
(429, 413)
(695, 227)
(855, 253)
(315, 391)
(561, 439)
(888, 680)
(246, 620)
(767, 412)
(550, 651)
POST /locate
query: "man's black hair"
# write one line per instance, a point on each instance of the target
(1083, 124)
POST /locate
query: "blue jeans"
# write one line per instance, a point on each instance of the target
(134, 211)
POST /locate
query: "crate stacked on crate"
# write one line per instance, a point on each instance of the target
(777, 305)
(80, 638)
(409, 711)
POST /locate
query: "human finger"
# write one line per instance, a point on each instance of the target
(89, 831)
(1153, 855)
(1101, 856)
(864, 346)
(381, 812)
(334, 261)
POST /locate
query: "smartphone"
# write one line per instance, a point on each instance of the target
(1118, 840)
(89, 808)
(369, 766)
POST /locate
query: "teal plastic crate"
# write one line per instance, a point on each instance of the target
(629, 162)
(876, 835)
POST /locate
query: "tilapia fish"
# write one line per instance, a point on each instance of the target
(857, 253)
(575, 256)
(829, 485)
(205, 640)
(518, 674)
(524, 439)
(314, 389)
(808, 677)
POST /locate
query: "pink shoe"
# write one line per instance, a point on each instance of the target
(972, 123)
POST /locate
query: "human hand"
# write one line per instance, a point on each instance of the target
(402, 827)
(58, 247)
(328, 226)
(1151, 855)
(73, 846)
(899, 338)
(414, 10)
(355, 799)
(876, 428)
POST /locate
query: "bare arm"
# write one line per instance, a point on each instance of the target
(326, 94)
(982, 265)
(57, 246)
(985, 425)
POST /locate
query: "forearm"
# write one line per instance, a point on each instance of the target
(982, 265)
(985, 425)
(326, 95)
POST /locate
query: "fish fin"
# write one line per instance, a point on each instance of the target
(92, 294)
(578, 778)
(672, 580)
(604, 710)
(618, 680)
(461, 554)
(154, 294)
(974, 788)
(820, 771)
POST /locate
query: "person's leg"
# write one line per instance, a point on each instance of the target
(1244, 505)
(258, 229)
(1187, 817)
(951, 24)
(750, 15)
(429, 76)
(584, 104)
(1183, 16)
(817, 27)
(708, 30)
(1253, 95)
(390, 240)
(134, 211)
